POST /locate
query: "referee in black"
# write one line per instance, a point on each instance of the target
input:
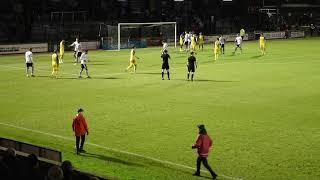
(165, 63)
(192, 65)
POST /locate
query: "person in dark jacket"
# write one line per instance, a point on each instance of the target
(203, 144)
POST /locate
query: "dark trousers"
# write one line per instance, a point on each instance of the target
(205, 163)
(83, 138)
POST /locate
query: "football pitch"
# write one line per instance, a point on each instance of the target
(261, 111)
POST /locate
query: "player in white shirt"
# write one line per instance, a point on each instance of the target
(77, 50)
(238, 42)
(222, 41)
(187, 40)
(29, 62)
(83, 60)
(164, 47)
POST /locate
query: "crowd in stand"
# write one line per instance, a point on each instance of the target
(14, 167)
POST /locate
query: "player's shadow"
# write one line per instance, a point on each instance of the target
(150, 73)
(110, 159)
(50, 77)
(111, 78)
(98, 64)
(212, 80)
(256, 57)
(209, 80)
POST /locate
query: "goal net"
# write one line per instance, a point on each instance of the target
(140, 35)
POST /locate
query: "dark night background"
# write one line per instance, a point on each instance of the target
(43, 20)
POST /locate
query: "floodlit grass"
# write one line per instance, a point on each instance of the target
(262, 111)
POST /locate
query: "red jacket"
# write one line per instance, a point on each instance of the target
(79, 125)
(203, 145)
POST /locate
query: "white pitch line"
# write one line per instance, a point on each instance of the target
(115, 150)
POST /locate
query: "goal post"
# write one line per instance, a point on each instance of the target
(140, 35)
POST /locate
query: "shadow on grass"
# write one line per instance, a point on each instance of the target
(152, 73)
(208, 80)
(50, 77)
(110, 159)
(256, 57)
(104, 77)
(98, 64)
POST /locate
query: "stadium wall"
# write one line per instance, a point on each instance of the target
(22, 48)
(256, 35)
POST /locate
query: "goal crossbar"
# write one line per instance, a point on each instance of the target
(147, 23)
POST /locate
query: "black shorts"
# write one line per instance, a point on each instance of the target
(222, 45)
(79, 54)
(84, 66)
(186, 43)
(242, 37)
(29, 64)
(238, 45)
(165, 66)
(191, 69)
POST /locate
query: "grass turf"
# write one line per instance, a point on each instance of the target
(262, 111)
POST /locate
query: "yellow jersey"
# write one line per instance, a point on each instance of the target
(132, 55)
(262, 40)
(242, 32)
(193, 40)
(61, 47)
(201, 39)
(181, 40)
(54, 59)
(216, 47)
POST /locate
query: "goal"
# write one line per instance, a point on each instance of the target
(140, 35)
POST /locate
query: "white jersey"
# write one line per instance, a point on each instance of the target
(222, 40)
(76, 45)
(83, 58)
(238, 40)
(187, 37)
(28, 57)
(165, 47)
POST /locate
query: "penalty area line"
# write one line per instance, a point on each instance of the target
(115, 150)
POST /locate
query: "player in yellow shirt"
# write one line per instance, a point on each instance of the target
(217, 49)
(55, 64)
(133, 57)
(262, 42)
(201, 41)
(242, 33)
(181, 42)
(193, 43)
(61, 54)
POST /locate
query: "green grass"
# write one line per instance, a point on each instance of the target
(262, 111)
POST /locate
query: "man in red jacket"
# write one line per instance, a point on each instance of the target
(80, 128)
(203, 145)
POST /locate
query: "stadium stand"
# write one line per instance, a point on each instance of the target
(16, 164)
(50, 20)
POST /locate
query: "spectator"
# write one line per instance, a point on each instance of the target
(203, 145)
(11, 161)
(33, 170)
(55, 173)
(312, 29)
(67, 169)
(80, 128)
(4, 170)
